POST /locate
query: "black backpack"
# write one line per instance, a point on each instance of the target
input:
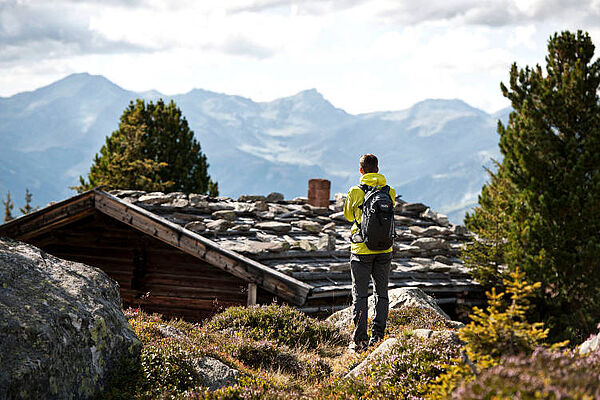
(377, 229)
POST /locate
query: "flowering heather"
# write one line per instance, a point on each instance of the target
(404, 372)
(544, 374)
(403, 318)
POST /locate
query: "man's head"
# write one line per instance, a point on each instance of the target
(368, 164)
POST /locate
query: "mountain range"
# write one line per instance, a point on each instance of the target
(434, 152)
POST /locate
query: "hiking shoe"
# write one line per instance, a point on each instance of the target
(374, 340)
(358, 347)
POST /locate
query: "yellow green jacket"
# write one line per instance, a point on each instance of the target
(354, 199)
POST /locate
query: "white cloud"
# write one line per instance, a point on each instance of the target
(362, 55)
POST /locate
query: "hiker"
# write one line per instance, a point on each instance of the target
(370, 206)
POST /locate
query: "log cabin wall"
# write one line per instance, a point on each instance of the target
(151, 274)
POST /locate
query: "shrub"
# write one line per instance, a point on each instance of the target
(168, 366)
(283, 324)
(405, 371)
(544, 374)
(403, 318)
(249, 388)
(500, 330)
(266, 355)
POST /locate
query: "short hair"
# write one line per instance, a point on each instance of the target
(369, 163)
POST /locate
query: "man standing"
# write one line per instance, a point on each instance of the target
(367, 259)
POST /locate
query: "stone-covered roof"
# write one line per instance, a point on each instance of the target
(312, 244)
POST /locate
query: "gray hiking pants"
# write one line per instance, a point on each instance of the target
(363, 267)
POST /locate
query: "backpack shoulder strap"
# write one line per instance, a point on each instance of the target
(365, 188)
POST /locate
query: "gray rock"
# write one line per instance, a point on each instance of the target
(339, 200)
(399, 297)
(329, 227)
(61, 326)
(339, 216)
(308, 226)
(220, 206)
(251, 197)
(427, 243)
(274, 197)
(440, 219)
(403, 221)
(381, 350)
(260, 206)
(219, 225)
(449, 335)
(430, 231)
(198, 200)
(127, 193)
(591, 345)
(414, 208)
(274, 226)
(179, 203)
(326, 242)
(214, 374)
(196, 226)
(241, 228)
(229, 215)
(443, 260)
(154, 198)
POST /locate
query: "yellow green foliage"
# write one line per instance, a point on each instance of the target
(500, 330)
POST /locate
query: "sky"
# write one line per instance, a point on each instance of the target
(362, 55)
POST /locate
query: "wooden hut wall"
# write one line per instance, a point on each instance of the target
(152, 275)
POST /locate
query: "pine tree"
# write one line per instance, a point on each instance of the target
(153, 150)
(27, 208)
(550, 222)
(8, 206)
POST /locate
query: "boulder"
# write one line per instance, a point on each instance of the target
(447, 334)
(274, 226)
(63, 332)
(399, 297)
(381, 350)
(592, 345)
(214, 374)
(274, 197)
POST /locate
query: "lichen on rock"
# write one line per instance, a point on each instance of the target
(62, 328)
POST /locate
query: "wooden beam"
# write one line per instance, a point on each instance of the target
(48, 218)
(251, 294)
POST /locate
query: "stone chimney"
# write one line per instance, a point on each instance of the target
(318, 192)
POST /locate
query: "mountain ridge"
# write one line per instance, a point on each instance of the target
(432, 152)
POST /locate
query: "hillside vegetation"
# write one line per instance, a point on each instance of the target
(283, 354)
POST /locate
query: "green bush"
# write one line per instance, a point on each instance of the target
(168, 366)
(545, 374)
(249, 388)
(283, 324)
(403, 318)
